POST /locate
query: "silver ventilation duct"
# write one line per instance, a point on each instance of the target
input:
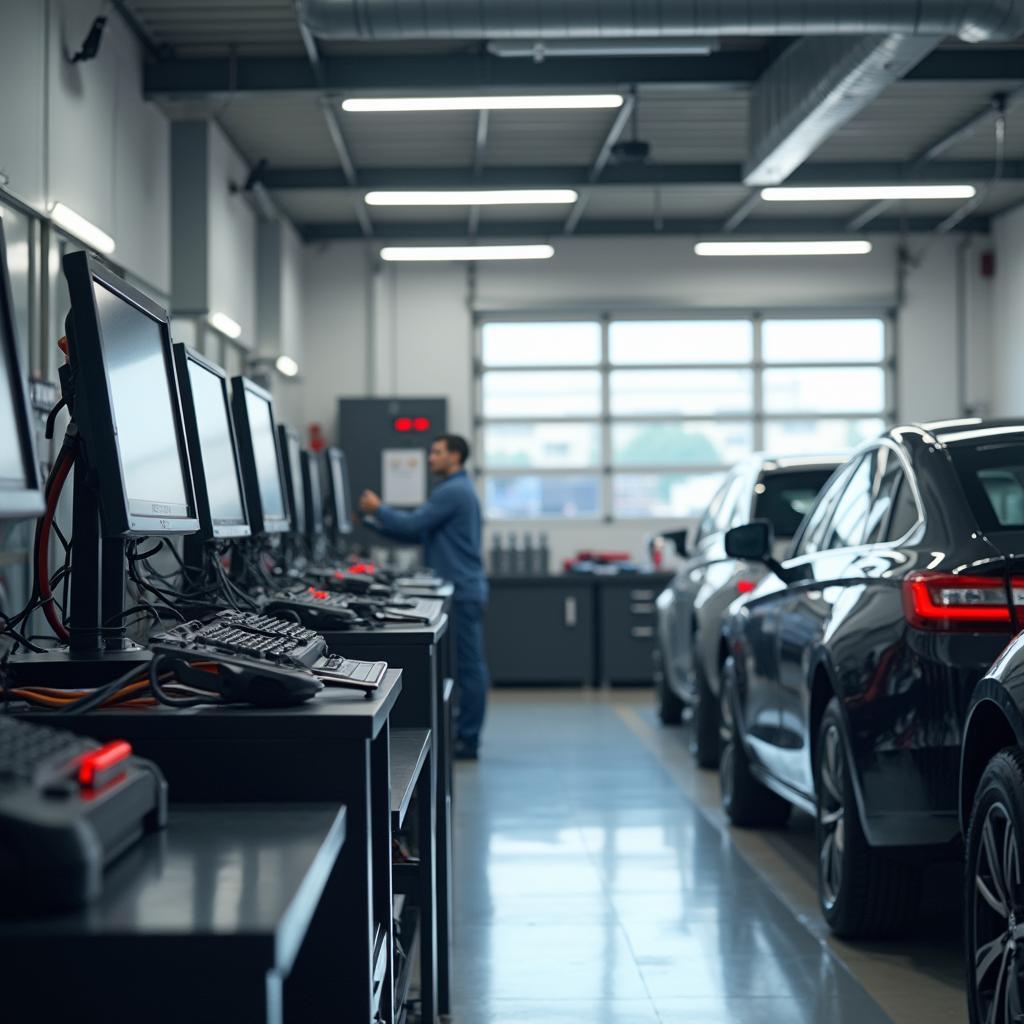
(970, 20)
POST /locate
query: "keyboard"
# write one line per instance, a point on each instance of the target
(318, 609)
(345, 671)
(69, 806)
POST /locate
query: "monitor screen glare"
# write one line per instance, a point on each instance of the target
(261, 427)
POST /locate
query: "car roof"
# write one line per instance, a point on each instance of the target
(956, 432)
(769, 463)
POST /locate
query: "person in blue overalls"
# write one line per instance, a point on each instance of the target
(448, 527)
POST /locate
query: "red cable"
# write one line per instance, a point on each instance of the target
(43, 563)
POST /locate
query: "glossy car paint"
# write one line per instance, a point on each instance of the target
(839, 628)
(691, 608)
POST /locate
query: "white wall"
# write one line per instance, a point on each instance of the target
(1008, 316)
(420, 328)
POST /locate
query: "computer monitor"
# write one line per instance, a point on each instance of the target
(262, 469)
(212, 447)
(314, 494)
(339, 491)
(21, 495)
(291, 452)
(126, 404)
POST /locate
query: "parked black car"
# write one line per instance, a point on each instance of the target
(690, 608)
(849, 669)
(992, 819)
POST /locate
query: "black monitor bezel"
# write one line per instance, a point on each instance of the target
(93, 409)
(210, 530)
(284, 435)
(314, 525)
(239, 386)
(342, 524)
(18, 502)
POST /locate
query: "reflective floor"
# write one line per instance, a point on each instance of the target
(591, 888)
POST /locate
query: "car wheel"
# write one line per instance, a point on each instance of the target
(861, 891)
(994, 894)
(706, 748)
(670, 707)
(746, 801)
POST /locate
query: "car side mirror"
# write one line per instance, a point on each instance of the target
(678, 541)
(751, 542)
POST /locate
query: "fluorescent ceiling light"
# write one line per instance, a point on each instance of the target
(866, 193)
(286, 365)
(388, 104)
(432, 253)
(474, 197)
(544, 48)
(84, 230)
(223, 323)
(854, 248)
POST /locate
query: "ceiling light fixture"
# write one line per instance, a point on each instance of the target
(388, 104)
(84, 230)
(543, 48)
(223, 323)
(852, 248)
(474, 197)
(866, 193)
(440, 253)
(287, 366)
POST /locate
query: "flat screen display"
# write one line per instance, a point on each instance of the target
(311, 467)
(220, 469)
(342, 498)
(295, 469)
(268, 475)
(12, 466)
(152, 462)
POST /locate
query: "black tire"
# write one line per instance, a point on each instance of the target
(746, 801)
(670, 707)
(862, 892)
(706, 747)
(994, 893)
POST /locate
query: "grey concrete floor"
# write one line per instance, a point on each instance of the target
(596, 883)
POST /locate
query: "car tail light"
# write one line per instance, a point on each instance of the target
(745, 586)
(947, 603)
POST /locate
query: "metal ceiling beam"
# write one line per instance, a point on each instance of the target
(616, 176)
(604, 154)
(510, 230)
(483, 123)
(815, 87)
(194, 77)
(742, 212)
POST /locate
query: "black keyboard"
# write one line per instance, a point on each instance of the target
(68, 807)
(318, 609)
(260, 636)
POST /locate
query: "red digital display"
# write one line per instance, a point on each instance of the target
(411, 424)
(403, 424)
(421, 424)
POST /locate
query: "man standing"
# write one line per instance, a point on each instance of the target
(448, 527)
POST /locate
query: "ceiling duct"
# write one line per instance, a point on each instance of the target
(970, 20)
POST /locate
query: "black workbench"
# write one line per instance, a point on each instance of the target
(208, 921)
(333, 749)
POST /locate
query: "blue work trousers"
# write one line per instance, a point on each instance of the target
(471, 667)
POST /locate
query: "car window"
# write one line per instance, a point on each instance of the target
(992, 476)
(904, 511)
(707, 522)
(727, 511)
(812, 537)
(784, 497)
(849, 520)
(888, 473)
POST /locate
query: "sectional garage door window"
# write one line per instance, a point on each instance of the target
(640, 418)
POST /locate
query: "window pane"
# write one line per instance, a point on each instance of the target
(823, 390)
(542, 497)
(541, 395)
(823, 341)
(663, 495)
(693, 443)
(542, 344)
(849, 520)
(541, 445)
(815, 437)
(681, 392)
(681, 341)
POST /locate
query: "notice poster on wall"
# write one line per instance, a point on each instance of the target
(403, 476)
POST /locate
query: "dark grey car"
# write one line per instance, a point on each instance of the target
(690, 609)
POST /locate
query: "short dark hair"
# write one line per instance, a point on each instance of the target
(456, 444)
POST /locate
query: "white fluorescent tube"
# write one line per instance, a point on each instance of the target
(397, 253)
(857, 248)
(286, 365)
(223, 323)
(387, 104)
(866, 193)
(84, 230)
(474, 197)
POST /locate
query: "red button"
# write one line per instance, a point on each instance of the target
(94, 768)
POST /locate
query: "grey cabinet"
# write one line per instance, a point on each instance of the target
(627, 628)
(541, 631)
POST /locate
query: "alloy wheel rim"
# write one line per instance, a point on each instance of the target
(998, 933)
(831, 816)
